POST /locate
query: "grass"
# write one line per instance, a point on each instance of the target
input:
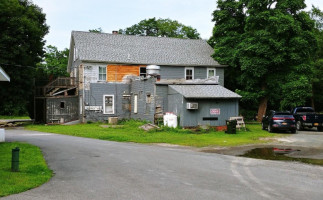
(131, 133)
(33, 170)
(13, 117)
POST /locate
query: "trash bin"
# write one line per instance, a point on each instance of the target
(231, 126)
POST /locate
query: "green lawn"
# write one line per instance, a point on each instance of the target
(13, 117)
(33, 169)
(131, 133)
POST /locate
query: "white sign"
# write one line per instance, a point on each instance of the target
(215, 111)
(93, 107)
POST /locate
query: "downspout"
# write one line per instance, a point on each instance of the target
(83, 102)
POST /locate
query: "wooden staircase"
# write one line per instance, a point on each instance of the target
(62, 86)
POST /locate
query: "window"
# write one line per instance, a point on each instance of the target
(189, 73)
(108, 104)
(102, 73)
(62, 104)
(143, 71)
(210, 72)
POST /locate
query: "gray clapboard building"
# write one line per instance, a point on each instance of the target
(145, 77)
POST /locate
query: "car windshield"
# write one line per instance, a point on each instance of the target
(304, 110)
(283, 116)
(282, 113)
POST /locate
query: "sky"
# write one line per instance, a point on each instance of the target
(64, 16)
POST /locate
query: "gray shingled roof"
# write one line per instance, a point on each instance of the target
(129, 49)
(204, 91)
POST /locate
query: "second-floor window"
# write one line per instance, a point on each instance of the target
(102, 73)
(189, 73)
(210, 72)
(143, 71)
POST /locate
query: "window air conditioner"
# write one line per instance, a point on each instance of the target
(192, 106)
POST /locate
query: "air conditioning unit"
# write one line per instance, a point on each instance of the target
(192, 106)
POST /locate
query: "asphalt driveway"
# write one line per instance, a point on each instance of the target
(95, 169)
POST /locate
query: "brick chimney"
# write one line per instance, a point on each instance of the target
(115, 32)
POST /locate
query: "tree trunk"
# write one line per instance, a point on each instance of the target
(262, 104)
(312, 98)
(262, 108)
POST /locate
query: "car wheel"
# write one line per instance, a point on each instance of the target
(299, 126)
(270, 130)
(263, 126)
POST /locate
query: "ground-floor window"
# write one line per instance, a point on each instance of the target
(108, 104)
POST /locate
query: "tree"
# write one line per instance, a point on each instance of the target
(317, 81)
(54, 63)
(161, 28)
(22, 34)
(97, 30)
(271, 46)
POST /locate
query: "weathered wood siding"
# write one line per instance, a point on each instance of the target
(116, 73)
(142, 88)
(57, 114)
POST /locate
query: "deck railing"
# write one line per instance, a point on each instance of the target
(60, 82)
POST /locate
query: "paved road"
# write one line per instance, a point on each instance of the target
(308, 138)
(94, 169)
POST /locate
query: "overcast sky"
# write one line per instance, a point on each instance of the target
(63, 16)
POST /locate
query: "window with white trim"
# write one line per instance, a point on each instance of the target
(108, 104)
(210, 72)
(102, 73)
(189, 73)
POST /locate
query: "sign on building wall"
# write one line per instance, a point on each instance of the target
(215, 111)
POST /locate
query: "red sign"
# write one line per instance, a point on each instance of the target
(215, 111)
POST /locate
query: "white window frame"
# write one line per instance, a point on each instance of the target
(207, 72)
(113, 105)
(104, 67)
(189, 68)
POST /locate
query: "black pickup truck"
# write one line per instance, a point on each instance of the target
(306, 117)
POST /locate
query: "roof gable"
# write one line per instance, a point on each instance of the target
(129, 49)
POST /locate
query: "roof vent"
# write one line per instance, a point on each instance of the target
(153, 69)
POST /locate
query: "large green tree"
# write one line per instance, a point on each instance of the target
(54, 63)
(161, 28)
(23, 28)
(317, 99)
(272, 44)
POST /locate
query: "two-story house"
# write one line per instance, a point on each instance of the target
(144, 77)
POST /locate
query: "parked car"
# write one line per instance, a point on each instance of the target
(279, 121)
(306, 117)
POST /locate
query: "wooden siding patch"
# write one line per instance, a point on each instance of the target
(115, 73)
